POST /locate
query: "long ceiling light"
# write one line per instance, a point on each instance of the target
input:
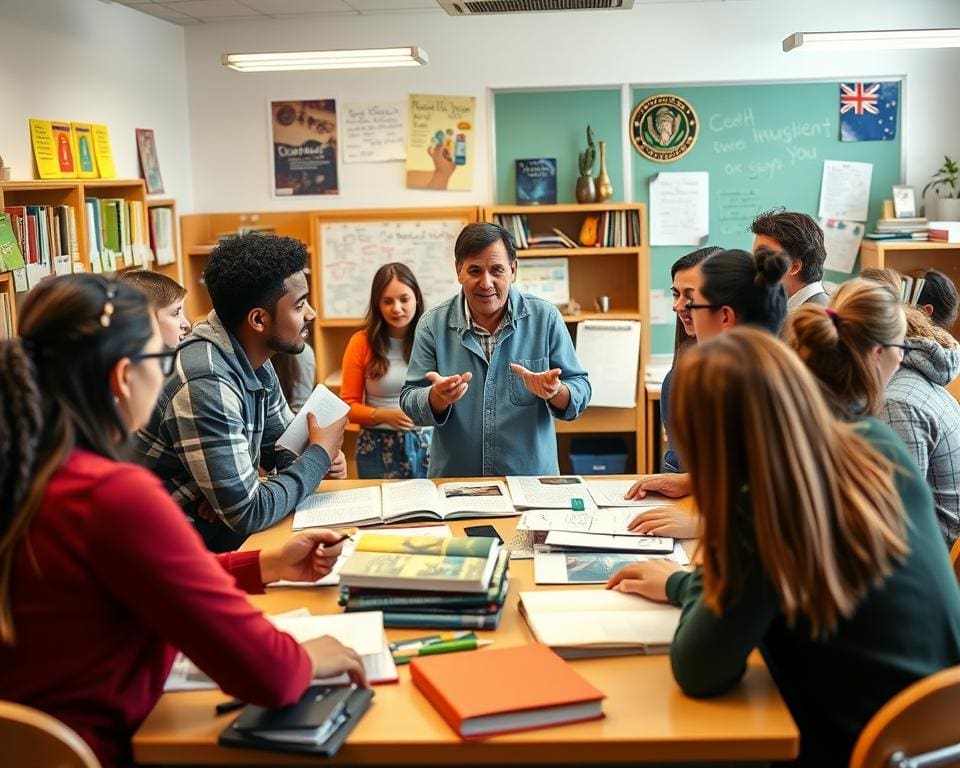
(360, 58)
(885, 38)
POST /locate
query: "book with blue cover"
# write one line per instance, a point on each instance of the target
(537, 181)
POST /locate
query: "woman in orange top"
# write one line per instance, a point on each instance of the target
(374, 370)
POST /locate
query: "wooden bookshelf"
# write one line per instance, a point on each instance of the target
(199, 234)
(73, 192)
(173, 270)
(905, 256)
(7, 289)
(620, 272)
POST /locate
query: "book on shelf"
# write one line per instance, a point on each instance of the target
(581, 623)
(536, 181)
(11, 257)
(567, 240)
(83, 143)
(102, 151)
(490, 601)
(944, 231)
(408, 500)
(94, 220)
(162, 235)
(422, 563)
(316, 725)
(484, 692)
(906, 236)
(547, 241)
(516, 225)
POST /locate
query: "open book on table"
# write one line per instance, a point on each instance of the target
(549, 492)
(610, 493)
(589, 567)
(579, 623)
(596, 529)
(361, 631)
(404, 501)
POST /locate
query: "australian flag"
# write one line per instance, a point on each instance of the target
(868, 111)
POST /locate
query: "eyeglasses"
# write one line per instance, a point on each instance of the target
(166, 359)
(904, 348)
(690, 305)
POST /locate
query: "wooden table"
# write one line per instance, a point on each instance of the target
(648, 719)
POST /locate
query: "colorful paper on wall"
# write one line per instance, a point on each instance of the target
(45, 149)
(440, 143)
(304, 140)
(373, 132)
(101, 150)
(83, 144)
(868, 111)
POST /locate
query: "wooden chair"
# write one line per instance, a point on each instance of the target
(31, 737)
(918, 724)
(955, 557)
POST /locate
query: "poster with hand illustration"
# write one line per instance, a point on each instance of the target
(440, 142)
(304, 140)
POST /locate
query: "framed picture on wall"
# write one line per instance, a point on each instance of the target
(303, 135)
(904, 202)
(149, 162)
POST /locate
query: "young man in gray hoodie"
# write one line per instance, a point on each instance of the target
(221, 411)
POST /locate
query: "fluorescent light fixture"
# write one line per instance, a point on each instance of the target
(360, 58)
(880, 38)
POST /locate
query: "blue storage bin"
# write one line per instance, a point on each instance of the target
(598, 456)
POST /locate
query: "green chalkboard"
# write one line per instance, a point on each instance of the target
(532, 124)
(764, 146)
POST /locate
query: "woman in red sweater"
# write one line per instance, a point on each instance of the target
(374, 370)
(102, 577)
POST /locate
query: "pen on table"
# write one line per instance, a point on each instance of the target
(230, 706)
(442, 637)
(402, 656)
(344, 537)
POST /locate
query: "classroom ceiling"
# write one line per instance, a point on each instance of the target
(187, 12)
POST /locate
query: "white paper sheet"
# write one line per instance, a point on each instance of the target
(841, 239)
(679, 208)
(373, 132)
(661, 307)
(845, 190)
(547, 279)
(532, 492)
(323, 404)
(609, 350)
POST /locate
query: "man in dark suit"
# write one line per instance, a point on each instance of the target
(800, 237)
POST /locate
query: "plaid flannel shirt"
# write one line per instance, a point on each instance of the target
(927, 418)
(214, 425)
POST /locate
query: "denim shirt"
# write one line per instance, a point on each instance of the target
(498, 427)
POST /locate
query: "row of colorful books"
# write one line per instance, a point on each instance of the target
(916, 229)
(427, 581)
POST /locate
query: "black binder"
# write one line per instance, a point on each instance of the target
(318, 724)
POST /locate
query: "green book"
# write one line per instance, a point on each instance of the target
(442, 621)
(422, 563)
(11, 257)
(353, 599)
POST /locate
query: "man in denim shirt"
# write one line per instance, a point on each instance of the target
(492, 368)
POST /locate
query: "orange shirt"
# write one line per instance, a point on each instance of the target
(356, 358)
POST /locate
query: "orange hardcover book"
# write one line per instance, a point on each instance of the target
(480, 693)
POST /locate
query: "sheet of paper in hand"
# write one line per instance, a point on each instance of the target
(323, 404)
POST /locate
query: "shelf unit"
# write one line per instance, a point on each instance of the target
(7, 289)
(199, 234)
(908, 256)
(623, 274)
(174, 270)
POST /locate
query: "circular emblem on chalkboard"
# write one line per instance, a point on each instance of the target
(664, 128)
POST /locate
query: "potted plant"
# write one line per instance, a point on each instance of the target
(586, 186)
(945, 185)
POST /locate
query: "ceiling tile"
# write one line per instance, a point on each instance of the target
(285, 7)
(209, 9)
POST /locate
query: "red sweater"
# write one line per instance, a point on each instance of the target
(109, 581)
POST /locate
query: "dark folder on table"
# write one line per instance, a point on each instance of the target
(318, 724)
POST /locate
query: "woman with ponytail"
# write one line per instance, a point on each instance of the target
(93, 550)
(820, 547)
(735, 288)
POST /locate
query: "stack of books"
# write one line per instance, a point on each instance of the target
(427, 581)
(944, 231)
(913, 228)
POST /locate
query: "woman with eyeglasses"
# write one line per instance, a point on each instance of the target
(820, 547)
(877, 357)
(102, 578)
(732, 288)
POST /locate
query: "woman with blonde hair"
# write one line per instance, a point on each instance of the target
(876, 356)
(819, 546)
(922, 412)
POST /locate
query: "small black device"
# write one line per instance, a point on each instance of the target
(483, 530)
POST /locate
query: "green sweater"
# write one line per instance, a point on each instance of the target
(903, 630)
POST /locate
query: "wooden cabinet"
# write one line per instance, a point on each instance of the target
(909, 256)
(619, 272)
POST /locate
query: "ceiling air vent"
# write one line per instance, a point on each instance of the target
(479, 7)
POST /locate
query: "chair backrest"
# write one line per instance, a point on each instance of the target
(919, 719)
(31, 737)
(955, 557)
